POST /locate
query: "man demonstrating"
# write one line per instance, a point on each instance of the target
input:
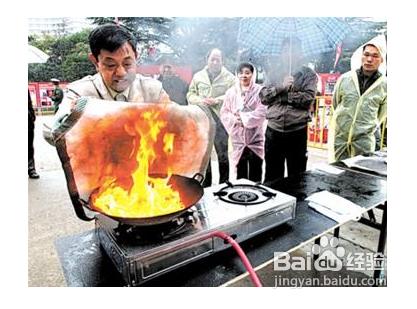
(208, 87)
(113, 52)
(360, 105)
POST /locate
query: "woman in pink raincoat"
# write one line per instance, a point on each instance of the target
(243, 116)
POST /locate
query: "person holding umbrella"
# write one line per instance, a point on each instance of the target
(288, 113)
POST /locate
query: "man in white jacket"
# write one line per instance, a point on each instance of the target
(114, 54)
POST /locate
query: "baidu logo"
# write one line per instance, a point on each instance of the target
(327, 259)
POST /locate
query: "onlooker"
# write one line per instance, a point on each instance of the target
(114, 54)
(57, 94)
(174, 86)
(208, 87)
(360, 106)
(289, 104)
(31, 135)
(243, 116)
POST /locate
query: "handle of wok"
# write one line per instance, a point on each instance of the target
(71, 185)
(79, 209)
(198, 175)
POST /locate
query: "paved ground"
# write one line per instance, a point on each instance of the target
(51, 216)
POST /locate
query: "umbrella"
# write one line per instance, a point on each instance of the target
(266, 36)
(35, 55)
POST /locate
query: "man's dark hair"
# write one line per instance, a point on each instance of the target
(369, 44)
(247, 65)
(110, 37)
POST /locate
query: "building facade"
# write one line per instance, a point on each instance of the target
(57, 26)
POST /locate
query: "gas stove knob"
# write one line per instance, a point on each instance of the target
(190, 219)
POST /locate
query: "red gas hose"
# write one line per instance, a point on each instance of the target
(253, 276)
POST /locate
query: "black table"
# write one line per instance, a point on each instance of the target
(84, 264)
(379, 169)
(373, 164)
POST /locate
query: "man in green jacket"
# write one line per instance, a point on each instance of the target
(360, 105)
(208, 87)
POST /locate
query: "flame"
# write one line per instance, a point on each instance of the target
(147, 196)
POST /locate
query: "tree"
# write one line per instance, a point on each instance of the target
(149, 31)
(187, 40)
(184, 40)
(194, 37)
(68, 57)
(62, 28)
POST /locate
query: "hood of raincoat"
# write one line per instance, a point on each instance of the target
(381, 44)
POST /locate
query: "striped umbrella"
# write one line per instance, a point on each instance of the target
(266, 36)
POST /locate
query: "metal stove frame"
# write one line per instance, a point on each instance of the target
(140, 263)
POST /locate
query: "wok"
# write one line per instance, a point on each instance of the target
(189, 189)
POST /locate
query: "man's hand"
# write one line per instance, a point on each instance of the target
(73, 104)
(238, 119)
(288, 82)
(209, 101)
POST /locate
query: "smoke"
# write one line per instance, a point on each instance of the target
(192, 38)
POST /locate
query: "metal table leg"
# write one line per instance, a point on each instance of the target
(316, 242)
(371, 215)
(336, 232)
(381, 242)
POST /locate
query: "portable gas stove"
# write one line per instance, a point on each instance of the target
(242, 210)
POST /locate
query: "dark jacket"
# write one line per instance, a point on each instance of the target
(176, 88)
(366, 81)
(31, 112)
(290, 110)
(57, 95)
